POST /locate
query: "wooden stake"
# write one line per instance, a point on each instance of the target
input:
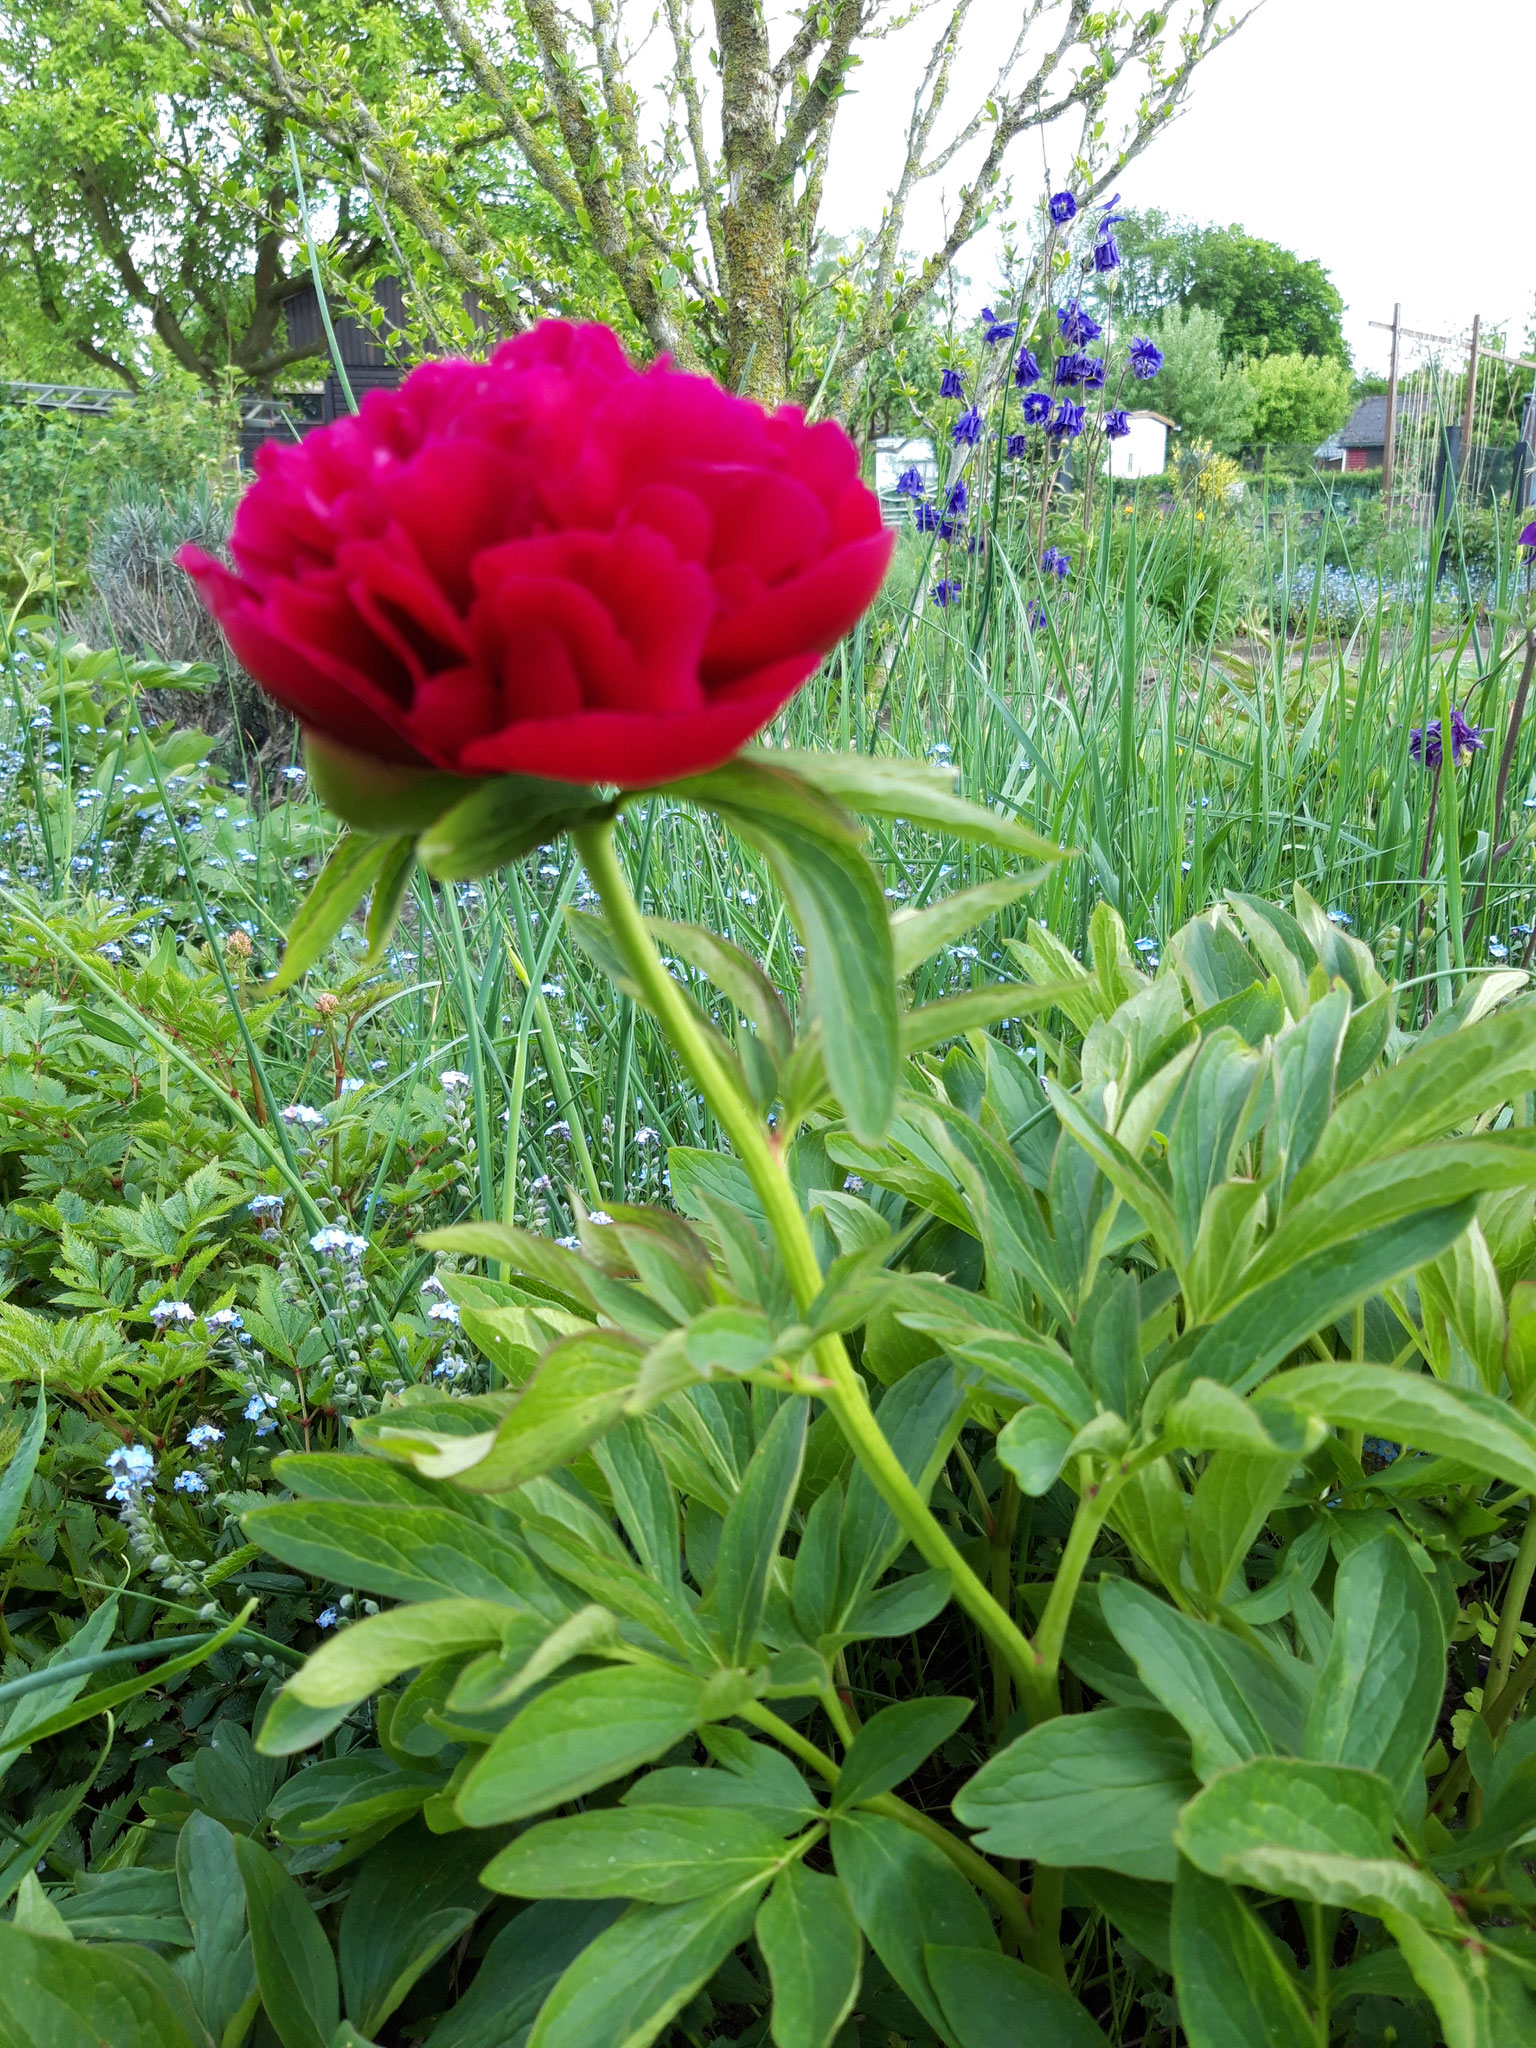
(1391, 434)
(1464, 459)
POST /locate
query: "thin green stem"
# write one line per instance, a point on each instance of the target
(844, 1391)
(1512, 1613)
(1092, 1510)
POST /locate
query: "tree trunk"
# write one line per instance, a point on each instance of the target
(755, 218)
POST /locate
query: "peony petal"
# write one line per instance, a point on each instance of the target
(810, 613)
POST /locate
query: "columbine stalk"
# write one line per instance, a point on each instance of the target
(763, 1162)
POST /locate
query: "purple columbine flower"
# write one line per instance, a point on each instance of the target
(951, 385)
(1106, 251)
(927, 519)
(1528, 540)
(1146, 358)
(1093, 372)
(1018, 444)
(1054, 563)
(1037, 409)
(909, 484)
(1026, 370)
(1063, 208)
(959, 497)
(997, 329)
(967, 429)
(946, 591)
(1068, 370)
(1424, 741)
(1077, 324)
(1067, 420)
(1034, 614)
(1117, 424)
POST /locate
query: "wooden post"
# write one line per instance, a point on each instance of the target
(1391, 433)
(1464, 455)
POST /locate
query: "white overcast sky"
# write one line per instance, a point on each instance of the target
(1391, 139)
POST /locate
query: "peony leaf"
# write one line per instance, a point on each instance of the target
(503, 819)
(352, 872)
(892, 787)
(379, 797)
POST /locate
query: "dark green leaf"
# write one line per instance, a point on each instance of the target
(389, 892)
(518, 1971)
(889, 1747)
(411, 1899)
(754, 1528)
(989, 1999)
(219, 1972)
(662, 1854)
(1233, 1986)
(811, 1944)
(1100, 1789)
(295, 1970)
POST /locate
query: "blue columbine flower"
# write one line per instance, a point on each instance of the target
(997, 329)
(1106, 251)
(1117, 424)
(1077, 324)
(909, 484)
(959, 497)
(1054, 563)
(1093, 372)
(951, 385)
(1068, 370)
(1034, 614)
(1424, 742)
(1067, 420)
(967, 429)
(1037, 409)
(1527, 541)
(927, 519)
(1146, 358)
(1063, 208)
(946, 591)
(1026, 370)
(1018, 444)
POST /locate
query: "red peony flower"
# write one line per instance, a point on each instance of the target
(549, 564)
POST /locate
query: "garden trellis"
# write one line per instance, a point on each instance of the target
(1443, 424)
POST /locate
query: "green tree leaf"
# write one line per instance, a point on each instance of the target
(661, 1854)
(815, 1955)
(1102, 1789)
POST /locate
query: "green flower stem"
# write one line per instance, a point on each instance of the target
(1513, 1611)
(1092, 1510)
(986, 1877)
(844, 1393)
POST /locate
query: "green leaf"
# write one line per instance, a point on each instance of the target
(888, 787)
(219, 1972)
(502, 819)
(737, 976)
(411, 1898)
(1270, 1321)
(1234, 1989)
(1102, 1789)
(920, 1418)
(345, 1795)
(839, 909)
(518, 1970)
(905, 1893)
(1378, 1694)
(1412, 1409)
(1309, 1831)
(295, 1970)
(754, 1528)
(989, 1999)
(381, 797)
(18, 1473)
(1033, 1446)
(891, 1745)
(754, 1776)
(1232, 1501)
(364, 1658)
(582, 1733)
(917, 935)
(389, 893)
(815, 1956)
(61, 1994)
(357, 860)
(403, 1553)
(622, 1990)
(1233, 1699)
(661, 1854)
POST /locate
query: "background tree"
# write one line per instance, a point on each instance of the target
(1210, 398)
(1271, 301)
(704, 215)
(1297, 398)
